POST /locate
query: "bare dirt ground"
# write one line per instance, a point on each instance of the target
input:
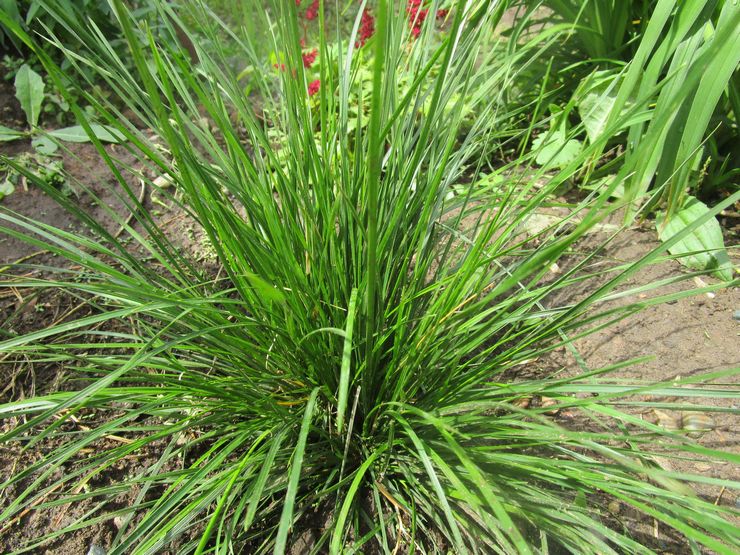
(690, 335)
(683, 338)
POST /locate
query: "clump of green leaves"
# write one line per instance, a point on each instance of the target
(33, 17)
(47, 168)
(357, 353)
(649, 59)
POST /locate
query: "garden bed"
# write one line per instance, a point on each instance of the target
(688, 335)
(358, 359)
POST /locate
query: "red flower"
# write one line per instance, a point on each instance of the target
(309, 58)
(297, 2)
(313, 10)
(441, 14)
(367, 28)
(313, 87)
(413, 5)
(281, 67)
(416, 16)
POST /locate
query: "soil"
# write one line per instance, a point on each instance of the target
(686, 336)
(682, 338)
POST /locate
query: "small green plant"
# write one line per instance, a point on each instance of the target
(29, 90)
(11, 65)
(356, 357)
(557, 147)
(29, 87)
(7, 186)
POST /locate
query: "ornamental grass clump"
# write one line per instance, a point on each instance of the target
(352, 365)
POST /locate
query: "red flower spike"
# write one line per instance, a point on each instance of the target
(441, 14)
(367, 28)
(313, 87)
(416, 16)
(309, 58)
(313, 11)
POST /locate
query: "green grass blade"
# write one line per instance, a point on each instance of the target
(296, 465)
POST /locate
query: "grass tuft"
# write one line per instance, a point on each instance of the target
(351, 359)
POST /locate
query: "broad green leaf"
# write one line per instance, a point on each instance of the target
(537, 223)
(597, 99)
(8, 134)
(44, 145)
(29, 90)
(705, 243)
(77, 134)
(555, 150)
(246, 72)
(6, 188)
(269, 292)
